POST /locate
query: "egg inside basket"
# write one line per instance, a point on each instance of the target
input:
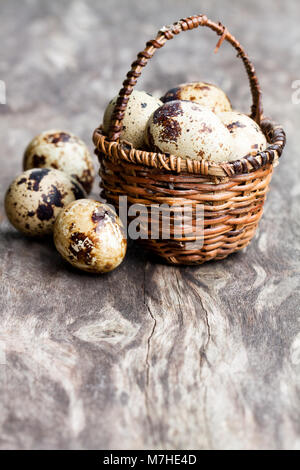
(213, 206)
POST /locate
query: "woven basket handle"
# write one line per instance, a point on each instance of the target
(162, 37)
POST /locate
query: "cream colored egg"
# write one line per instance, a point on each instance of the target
(35, 198)
(203, 93)
(140, 107)
(62, 151)
(189, 130)
(246, 134)
(90, 236)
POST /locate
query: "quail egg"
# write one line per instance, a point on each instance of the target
(203, 93)
(188, 130)
(62, 151)
(34, 199)
(90, 236)
(140, 106)
(246, 134)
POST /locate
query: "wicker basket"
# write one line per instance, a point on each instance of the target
(232, 193)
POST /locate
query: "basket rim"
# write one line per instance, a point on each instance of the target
(123, 150)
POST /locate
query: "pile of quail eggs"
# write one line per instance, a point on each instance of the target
(50, 196)
(193, 120)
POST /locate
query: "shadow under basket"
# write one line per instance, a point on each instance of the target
(231, 195)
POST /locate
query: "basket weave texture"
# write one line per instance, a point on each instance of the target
(232, 193)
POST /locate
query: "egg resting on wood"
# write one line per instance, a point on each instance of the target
(203, 93)
(35, 198)
(90, 236)
(188, 130)
(139, 108)
(62, 151)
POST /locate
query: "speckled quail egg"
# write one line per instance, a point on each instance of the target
(140, 106)
(35, 198)
(188, 130)
(90, 236)
(246, 134)
(203, 93)
(62, 151)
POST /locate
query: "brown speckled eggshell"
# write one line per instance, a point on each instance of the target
(203, 93)
(139, 108)
(90, 236)
(188, 130)
(62, 151)
(247, 136)
(35, 198)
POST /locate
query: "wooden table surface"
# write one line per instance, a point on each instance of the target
(148, 356)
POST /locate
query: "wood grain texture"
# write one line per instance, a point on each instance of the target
(148, 356)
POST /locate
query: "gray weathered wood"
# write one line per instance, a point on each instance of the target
(148, 356)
